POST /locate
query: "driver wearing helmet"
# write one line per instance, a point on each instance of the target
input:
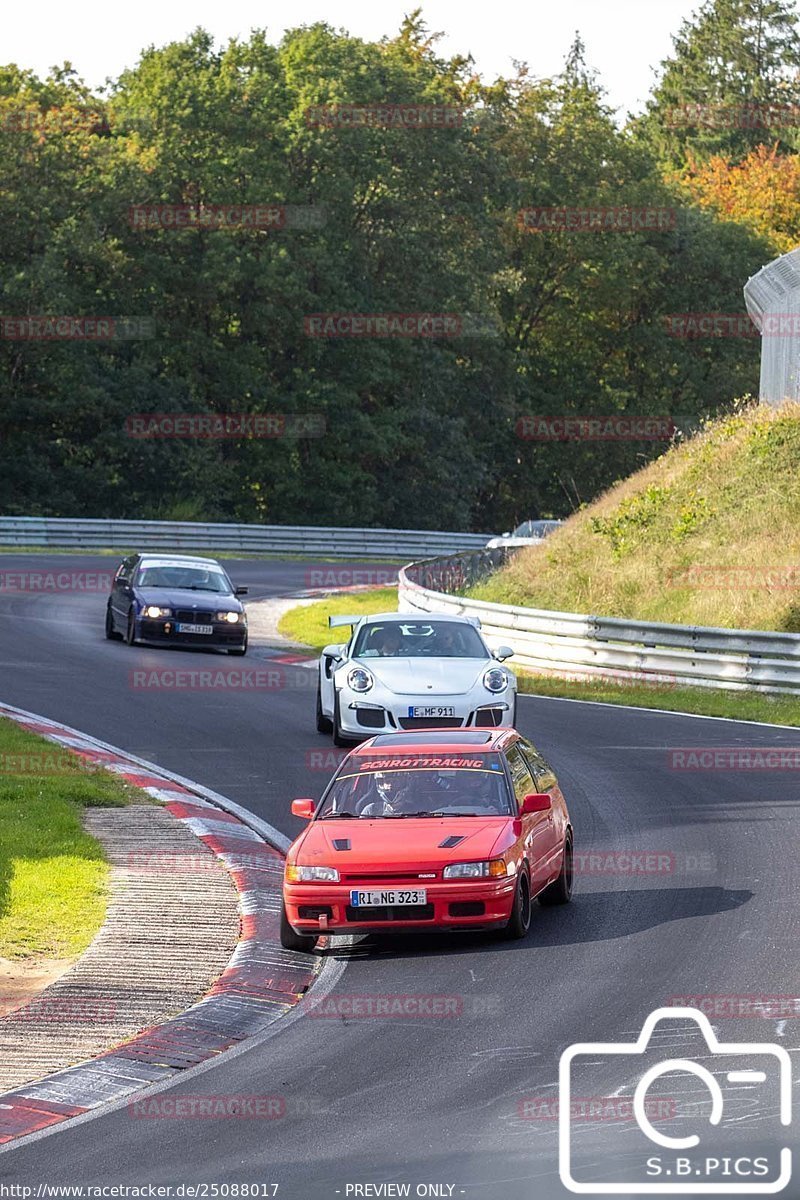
(389, 797)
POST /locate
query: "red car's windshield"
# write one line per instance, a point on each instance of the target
(420, 785)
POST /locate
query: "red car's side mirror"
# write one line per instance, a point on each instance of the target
(536, 802)
(303, 808)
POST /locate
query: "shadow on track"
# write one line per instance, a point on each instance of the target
(591, 917)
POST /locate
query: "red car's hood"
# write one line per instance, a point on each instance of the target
(399, 844)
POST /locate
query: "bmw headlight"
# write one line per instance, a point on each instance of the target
(476, 870)
(495, 680)
(153, 610)
(298, 874)
(359, 679)
(230, 617)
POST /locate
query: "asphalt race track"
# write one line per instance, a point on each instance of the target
(708, 907)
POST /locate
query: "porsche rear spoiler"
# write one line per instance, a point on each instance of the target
(334, 621)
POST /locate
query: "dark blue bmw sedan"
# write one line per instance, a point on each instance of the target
(178, 600)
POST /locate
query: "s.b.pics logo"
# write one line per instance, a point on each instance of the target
(724, 1133)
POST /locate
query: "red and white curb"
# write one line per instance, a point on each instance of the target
(261, 983)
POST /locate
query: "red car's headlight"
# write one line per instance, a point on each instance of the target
(476, 870)
(298, 874)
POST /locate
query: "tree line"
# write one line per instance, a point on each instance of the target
(339, 282)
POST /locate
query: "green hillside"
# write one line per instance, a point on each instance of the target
(708, 534)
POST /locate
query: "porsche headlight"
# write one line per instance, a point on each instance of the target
(231, 617)
(152, 610)
(359, 679)
(298, 874)
(476, 870)
(495, 680)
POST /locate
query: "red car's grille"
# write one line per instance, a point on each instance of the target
(384, 876)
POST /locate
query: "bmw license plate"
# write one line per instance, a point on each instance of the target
(390, 898)
(431, 710)
(195, 629)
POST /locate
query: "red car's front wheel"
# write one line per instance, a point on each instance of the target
(294, 941)
(520, 920)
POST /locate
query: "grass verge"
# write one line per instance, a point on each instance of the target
(736, 706)
(53, 875)
(309, 622)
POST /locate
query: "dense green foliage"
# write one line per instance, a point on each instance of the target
(420, 431)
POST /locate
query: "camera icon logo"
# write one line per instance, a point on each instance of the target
(702, 1152)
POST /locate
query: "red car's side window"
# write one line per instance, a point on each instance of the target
(520, 774)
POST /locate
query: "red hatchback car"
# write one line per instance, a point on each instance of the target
(445, 830)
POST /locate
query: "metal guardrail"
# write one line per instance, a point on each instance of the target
(583, 646)
(68, 533)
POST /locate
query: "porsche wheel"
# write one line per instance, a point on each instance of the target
(130, 632)
(324, 724)
(560, 890)
(338, 737)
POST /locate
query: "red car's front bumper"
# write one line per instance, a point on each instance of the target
(474, 904)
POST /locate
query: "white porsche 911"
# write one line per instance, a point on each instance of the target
(403, 671)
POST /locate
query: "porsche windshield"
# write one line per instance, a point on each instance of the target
(419, 639)
(420, 785)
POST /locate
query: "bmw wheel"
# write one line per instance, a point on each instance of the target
(239, 651)
(130, 632)
(111, 632)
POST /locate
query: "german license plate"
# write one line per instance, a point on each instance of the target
(195, 629)
(431, 710)
(390, 898)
